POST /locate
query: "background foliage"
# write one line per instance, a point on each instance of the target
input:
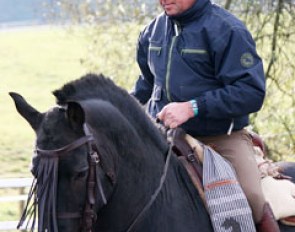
(272, 23)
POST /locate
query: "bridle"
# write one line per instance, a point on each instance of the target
(88, 215)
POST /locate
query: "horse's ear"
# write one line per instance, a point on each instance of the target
(33, 117)
(76, 115)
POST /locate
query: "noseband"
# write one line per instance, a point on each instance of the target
(88, 215)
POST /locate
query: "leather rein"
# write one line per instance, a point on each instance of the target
(88, 215)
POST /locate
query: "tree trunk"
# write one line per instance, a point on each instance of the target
(227, 4)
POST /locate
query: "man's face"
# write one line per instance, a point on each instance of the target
(176, 7)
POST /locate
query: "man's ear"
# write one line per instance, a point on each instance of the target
(75, 115)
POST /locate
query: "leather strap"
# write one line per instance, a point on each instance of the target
(66, 149)
(182, 148)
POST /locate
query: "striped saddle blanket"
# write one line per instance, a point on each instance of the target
(226, 202)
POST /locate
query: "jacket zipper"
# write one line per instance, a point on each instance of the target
(174, 38)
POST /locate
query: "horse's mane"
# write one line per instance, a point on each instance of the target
(93, 86)
(87, 87)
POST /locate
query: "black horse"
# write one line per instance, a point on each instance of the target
(101, 164)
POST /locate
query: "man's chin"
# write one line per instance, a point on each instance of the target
(170, 10)
(171, 13)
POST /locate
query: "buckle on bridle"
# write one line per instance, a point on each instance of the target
(94, 158)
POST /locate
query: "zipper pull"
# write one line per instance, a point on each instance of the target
(176, 28)
(231, 126)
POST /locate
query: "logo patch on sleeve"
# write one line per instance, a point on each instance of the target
(247, 60)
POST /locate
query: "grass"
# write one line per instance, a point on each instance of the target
(34, 61)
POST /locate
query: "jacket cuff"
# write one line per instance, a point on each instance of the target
(202, 107)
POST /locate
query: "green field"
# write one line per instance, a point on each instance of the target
(33, 63)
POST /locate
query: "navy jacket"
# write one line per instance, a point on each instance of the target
(205, 54)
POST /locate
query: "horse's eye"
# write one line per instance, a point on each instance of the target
(80, 175)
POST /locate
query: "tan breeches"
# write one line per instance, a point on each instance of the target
(237, 148)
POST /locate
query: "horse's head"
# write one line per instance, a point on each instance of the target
(98, 143)
(71, 184)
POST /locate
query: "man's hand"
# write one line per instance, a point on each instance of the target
(176, 113)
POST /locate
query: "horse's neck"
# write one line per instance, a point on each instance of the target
(137, 179)
(136, 185)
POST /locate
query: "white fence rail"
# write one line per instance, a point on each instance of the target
(14, 183)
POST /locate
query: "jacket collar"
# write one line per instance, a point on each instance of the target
(194, 12)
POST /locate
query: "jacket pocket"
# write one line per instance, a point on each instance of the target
(192, 51)
(154, 55)
(155, 49)
(198, 59)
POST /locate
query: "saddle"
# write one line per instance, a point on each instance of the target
(190, 154)
(278, 190)
(218, 175)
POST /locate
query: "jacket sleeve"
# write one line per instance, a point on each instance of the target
(143, 87)
(239, 69)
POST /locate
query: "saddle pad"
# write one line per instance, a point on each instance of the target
(280, 194)
(227, 204)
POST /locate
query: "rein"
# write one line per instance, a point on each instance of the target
(157, 191)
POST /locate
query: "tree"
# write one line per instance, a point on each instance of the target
(227, 4)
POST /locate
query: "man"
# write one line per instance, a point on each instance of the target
(200, 71)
